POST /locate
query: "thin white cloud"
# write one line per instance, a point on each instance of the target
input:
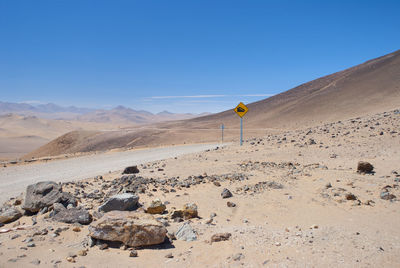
(32, 102)
(187, 97)
(208, 96)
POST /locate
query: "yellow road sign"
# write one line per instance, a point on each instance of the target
(241, 109)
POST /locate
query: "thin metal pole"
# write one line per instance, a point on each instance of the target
(222, 133)
(241, 131)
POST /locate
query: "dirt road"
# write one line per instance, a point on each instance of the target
(14, 179)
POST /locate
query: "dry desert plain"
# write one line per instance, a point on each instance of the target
(293, 199)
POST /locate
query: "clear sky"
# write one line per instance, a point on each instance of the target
(182, 56)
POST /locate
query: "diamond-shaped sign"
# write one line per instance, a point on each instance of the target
(241, 109)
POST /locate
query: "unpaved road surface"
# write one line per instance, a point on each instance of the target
(14, 179)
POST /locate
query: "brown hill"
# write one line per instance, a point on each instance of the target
(127, 116)
(368, 88)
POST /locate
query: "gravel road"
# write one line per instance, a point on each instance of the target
(14, 179)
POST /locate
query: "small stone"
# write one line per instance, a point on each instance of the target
(328, 185)
(70, 259)
(171, 236)
(350, 196)
(133, 253)
(230, 204)
(73, 255)
(76, 229)
(387, 196)
(156, 207)
(277, 244)
(15, 236)
(186, 233)
(220, 237)
(216, 183)
(190, 211)
(226, 193)
(169, 256)
(31, 245)
(82, 252)
(238, 257)
(131, 170)
(364, 167)
(314, 226)
(103, 246)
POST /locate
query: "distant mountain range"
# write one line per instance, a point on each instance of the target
(49, 108)
(119, 114)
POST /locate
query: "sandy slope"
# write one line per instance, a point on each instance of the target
(22, 134)
(308, 222)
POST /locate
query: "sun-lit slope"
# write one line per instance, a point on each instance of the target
(22, 134)
(368, 88)
(371, 87)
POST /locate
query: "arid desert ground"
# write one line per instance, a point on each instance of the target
(293, 199)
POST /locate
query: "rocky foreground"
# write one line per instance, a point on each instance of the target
(326, 196)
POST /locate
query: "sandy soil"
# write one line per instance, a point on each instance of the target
(292, 208)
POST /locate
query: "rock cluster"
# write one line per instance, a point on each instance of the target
(45, 194)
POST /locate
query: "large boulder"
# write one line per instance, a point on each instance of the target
(122, 202)
(132, 228)
(9, 214)
(71, 215)
(45, 194)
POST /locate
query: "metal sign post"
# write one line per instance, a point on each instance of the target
(222, 130)
(241, 110)
(241, 131)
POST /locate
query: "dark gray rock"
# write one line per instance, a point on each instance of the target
(364, 167)
(226, 193)
(72, 215)
(387, 196)
(131, 170)
(230, 204)
(122, 202)
(45, 194)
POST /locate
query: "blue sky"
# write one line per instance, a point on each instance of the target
(182, 56)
